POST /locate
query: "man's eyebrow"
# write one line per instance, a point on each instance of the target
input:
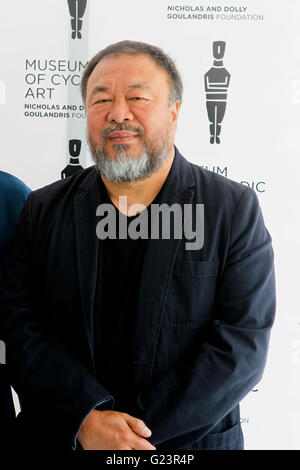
(139, 85)
(98, 89)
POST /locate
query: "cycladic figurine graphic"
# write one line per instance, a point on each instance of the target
(77, 9)
(74, 164)
(216, 86)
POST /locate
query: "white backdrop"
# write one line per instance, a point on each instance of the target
(40, 69)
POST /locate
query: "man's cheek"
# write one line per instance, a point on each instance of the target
(94, 120)
(94, 134)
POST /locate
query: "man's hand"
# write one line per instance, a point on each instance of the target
(113, 430)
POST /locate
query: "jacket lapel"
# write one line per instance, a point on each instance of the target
(158, 265)
(86, 201)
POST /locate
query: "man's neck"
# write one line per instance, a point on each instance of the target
(139, 192)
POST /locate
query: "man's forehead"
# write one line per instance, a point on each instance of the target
(136, 71)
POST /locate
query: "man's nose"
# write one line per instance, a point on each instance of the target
(120, 111)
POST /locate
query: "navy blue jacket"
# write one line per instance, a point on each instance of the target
(203, 318)
(13, 193)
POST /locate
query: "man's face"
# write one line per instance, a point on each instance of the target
(128, 114)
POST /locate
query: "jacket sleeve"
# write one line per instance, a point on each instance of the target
(192, 398)
(55, 389)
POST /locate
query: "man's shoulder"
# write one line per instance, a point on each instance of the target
(65, 187)
(218, 187)
(11, 185)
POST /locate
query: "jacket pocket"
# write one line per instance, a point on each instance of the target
(191, 295)
(231, 439)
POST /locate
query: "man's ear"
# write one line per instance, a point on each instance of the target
(174, 111)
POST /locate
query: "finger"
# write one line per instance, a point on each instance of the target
(138, 426)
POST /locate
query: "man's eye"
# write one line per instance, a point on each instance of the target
(102, 101)
(137, 98)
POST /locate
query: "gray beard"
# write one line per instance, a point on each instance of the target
(124, 167)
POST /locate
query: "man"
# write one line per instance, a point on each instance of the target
(108, 335)
(13, 194)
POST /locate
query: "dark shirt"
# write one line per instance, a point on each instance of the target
(119, 272)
